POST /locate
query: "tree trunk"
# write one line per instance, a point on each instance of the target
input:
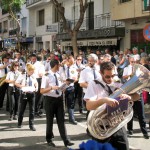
(74, 43)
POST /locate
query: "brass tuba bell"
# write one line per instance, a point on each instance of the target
(100, 124)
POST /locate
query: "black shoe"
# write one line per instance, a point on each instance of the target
(10, 118)
(15, 117)
(130, 132)
(68, 143)
(32, 128)
(19, 126)
(146, 136)
(38, 115)
(51, 144)
(81, 111)
(73, 122)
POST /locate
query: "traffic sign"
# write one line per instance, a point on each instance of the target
(146, 32)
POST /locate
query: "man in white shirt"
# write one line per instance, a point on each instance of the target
(3, 72)
(54, 104)
(138, 106)
(89, 73)
(97, 95)
(69, 72)
(38, 72)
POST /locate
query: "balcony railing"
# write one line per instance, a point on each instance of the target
(99, 21)
(31, 2)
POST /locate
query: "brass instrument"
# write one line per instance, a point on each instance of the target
(2, 80)
(100, 124)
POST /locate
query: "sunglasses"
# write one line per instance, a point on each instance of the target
(108, 77)
(16, 65)
(79, 59)
(132, 61)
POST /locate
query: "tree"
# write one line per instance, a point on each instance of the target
(72, 32)
(13, 7)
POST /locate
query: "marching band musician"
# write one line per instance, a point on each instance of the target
(13, 93)
(78, 89)
(28, 84)
(20, 61)
(3, 72)
(54, 104)
(38, 72)
(138, 106)
(97, 94)
(69, 72)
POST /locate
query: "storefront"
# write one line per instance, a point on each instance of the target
(94, 39)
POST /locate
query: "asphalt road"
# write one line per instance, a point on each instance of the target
(12, 137)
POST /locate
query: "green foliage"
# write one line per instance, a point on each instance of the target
(14, 5)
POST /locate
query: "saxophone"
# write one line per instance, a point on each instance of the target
(102, 125)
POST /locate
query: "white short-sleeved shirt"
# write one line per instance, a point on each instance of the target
(87, 75)
(128, 71)
(12, 76)
(23, 79)
(2, 71)
(50, 80)
(39, 69)
(72, 72)
(96, 91)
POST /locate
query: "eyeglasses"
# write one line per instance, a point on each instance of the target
(108, 77)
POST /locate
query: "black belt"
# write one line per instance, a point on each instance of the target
(54, 97)
(28, 92)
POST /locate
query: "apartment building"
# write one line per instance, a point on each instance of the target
(136, 15)
(9, 27)
(43, 22)
(98, 31)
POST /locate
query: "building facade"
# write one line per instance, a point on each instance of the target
(9, 27)
(136, 15)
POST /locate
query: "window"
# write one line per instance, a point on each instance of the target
(123, 1)
(56, 15)
(41, 17)
(147, 5)
(0, 27)
(5, 25)
(24, 25)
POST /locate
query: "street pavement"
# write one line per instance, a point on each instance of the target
(23, 138)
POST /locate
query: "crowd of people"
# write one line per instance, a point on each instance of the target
(52, 81)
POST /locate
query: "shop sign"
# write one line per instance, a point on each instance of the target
(101, 42)
(52, 28)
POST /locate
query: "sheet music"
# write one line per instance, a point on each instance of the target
(28, 89)
(123, 105)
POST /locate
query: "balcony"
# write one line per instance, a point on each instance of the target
(98, 22)
(35, 3)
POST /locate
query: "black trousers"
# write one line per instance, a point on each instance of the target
(118, 140)
(70, 97)
(13, 100)
(79, 94)
(38, 97)
(3, 89)
(54, 107)
(23, 102)
(138, 108)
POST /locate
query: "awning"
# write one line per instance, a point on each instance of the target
(98, 42)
